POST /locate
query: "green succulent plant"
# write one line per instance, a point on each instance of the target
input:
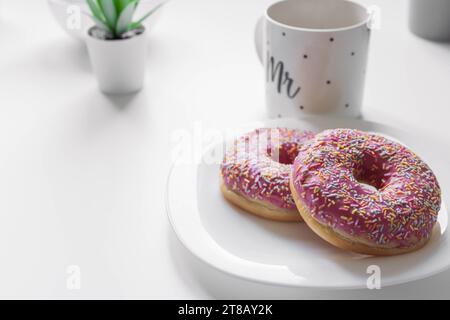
(115, 17)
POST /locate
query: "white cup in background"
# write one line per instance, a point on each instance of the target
(430, 19)
(315, 56)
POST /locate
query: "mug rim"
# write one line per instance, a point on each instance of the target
(365, 21)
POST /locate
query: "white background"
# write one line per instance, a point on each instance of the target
(82, 175)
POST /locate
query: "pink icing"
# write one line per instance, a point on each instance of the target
(398, 211)
(258, 164)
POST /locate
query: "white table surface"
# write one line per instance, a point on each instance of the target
(82, 175)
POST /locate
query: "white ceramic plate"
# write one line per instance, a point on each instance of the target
(289, 254)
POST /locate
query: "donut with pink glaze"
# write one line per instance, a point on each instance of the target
(365, 193)
(256, 172)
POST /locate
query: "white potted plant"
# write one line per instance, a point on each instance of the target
(117, 45)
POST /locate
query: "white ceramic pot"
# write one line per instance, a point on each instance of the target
(73, 17)
(119, 64)
(315, 56)
(430, 19)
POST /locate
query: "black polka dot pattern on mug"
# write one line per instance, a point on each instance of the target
(305, 56)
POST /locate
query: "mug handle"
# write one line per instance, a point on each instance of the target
(259, 41)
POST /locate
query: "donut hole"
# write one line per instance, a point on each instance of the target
(285, 153)
(370, 172)
(369, 179)
(367, 184)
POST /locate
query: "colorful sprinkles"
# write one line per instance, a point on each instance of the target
(367, 186)
(258, 164)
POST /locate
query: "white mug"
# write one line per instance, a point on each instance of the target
(315, 56)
